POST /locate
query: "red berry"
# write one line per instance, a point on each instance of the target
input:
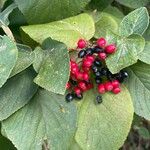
(87, 63)
(101, 42)
(81, 43)
(86, 69)
(79, 75)
(73, 64)
(89, 86)
(68, 85)
(82, 86)
(85, 76)
(108, 86)
(101, 88)
(110, 49)
(74, 70)
(115, 83)
(102, 56)
(91, 58)
(116, 90)
(77, 90)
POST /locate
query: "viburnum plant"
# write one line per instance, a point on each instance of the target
(73, 73)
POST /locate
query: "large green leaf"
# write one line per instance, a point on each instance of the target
(139, 87)
(55, 70)
(135, 22)
(8, 58)
(16, 92)
(25, 59)
(68, 31)
(46, 118)
(104, 126)
(53, 9)
(127, 52)
(133, 3)
(109, 19)
(145, 54)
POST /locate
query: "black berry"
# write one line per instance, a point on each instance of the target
(98, 74)
(98, 50)
(95, 69)
(70, 97)
(119, 77)
(79, 96)
(99, 99)
(89, 51)
(104, 71)
(97, 63)
(110, 76)
(82, 53)
(124, 74)
(98, 80)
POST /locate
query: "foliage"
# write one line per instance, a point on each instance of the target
(36, 39)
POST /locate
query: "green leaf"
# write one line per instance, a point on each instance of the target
(55, 70)
(25, 59)
(8, 58)
(146, 35)
(53, 9)
(127, 52)
(68, 31)
(16, 93)
(5, 14)
(135, 22)
(99, 4)
(40, 56)
(46, 118)
(133, 3)
(139, 88)
(109, 19)
(104, 126)
(145, 54)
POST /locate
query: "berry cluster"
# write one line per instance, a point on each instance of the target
(92, 68)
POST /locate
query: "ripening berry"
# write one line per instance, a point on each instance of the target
(110, 49)
(116, 90)
(101, 88)
(81, 43)
(73, 64)
(79, 75)
(85, 76)
(86, 69)
(87, 63)
(102, 56)
(77, 90)
(101, 42)
(82, 86)
(91, 58)
(74, 70)
(108, 86)
(89, 86)
(115, 83)
(68, 85)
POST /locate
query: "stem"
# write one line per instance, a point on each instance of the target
(8, 32)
